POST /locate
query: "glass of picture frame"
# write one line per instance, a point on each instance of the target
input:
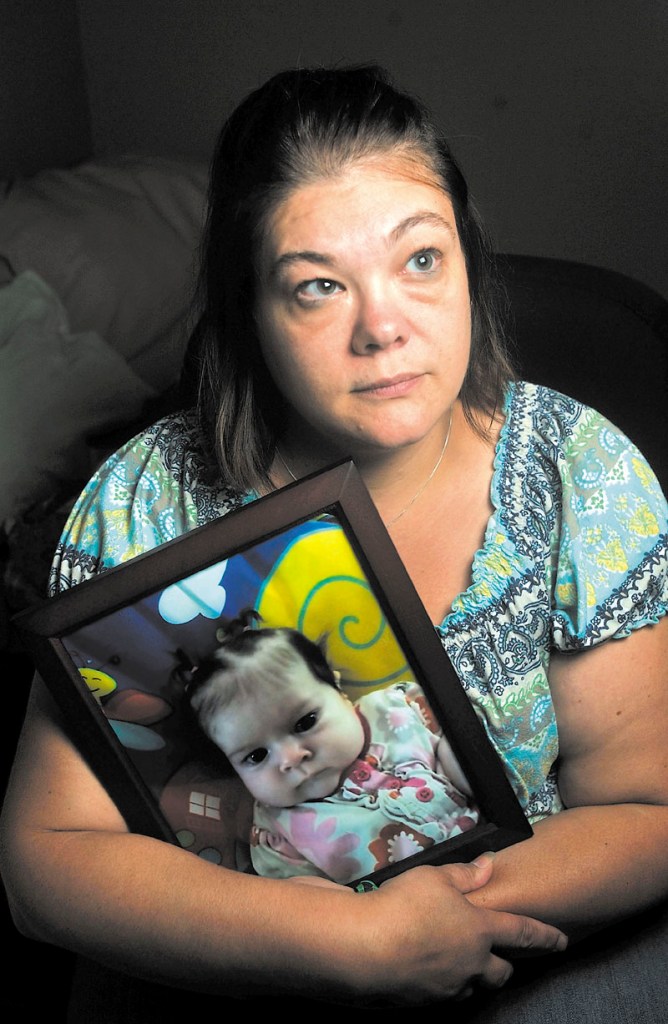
(314, 557)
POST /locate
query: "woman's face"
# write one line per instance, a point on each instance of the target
(363, 307)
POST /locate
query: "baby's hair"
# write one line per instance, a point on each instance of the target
(249, 657)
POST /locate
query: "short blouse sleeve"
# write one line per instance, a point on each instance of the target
(149, 492)
(612, 567)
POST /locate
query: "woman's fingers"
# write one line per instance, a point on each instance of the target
(509, 931)
(496, 973)
(464, 946)
(467, 877)
(527, 935)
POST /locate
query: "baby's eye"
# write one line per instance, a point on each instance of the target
(318, 288)
(306, 722)
(256, 756)
(424, 260)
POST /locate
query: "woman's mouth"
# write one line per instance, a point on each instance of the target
(389, 387)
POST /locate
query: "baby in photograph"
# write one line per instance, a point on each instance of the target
(340, 789)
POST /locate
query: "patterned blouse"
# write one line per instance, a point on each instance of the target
(575, 553)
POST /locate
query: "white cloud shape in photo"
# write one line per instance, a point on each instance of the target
(200, 594)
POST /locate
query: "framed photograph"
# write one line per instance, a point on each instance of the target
(408, 775)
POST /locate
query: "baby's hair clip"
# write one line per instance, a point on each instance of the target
(186, 668)
(247, 619)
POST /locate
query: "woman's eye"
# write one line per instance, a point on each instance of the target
(318, 288)
(306, 722)
(423, 261)
(256, 756)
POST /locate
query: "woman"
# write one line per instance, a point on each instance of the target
(347, 309)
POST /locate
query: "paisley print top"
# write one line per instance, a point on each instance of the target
(575, 553)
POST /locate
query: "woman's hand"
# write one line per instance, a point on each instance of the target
(432, 943)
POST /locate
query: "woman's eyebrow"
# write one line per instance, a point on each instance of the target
(286, 259)
(417, 220)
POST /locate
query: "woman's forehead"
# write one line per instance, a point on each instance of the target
(389, 192)
(398, 163)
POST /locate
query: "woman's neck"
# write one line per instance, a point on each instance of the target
(396, 478)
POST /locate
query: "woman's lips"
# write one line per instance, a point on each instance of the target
(391, 387)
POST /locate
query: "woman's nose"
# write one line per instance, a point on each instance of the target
(380, 321)
(293, 754)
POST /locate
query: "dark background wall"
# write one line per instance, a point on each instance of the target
(558, 112)
(44, 115)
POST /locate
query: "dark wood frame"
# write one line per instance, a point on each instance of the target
(339, 492)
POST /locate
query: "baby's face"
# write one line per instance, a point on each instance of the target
(294, 748)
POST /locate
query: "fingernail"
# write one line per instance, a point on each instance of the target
(487, 853)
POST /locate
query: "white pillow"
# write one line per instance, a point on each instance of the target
(55, 388)
(118, 241)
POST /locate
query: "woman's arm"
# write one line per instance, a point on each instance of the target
(604, 857)
(75, 877)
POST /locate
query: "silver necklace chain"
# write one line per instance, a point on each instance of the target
(419, 490)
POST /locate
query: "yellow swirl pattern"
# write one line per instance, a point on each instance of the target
(318, 587)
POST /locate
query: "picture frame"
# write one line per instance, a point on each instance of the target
(314, 557)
